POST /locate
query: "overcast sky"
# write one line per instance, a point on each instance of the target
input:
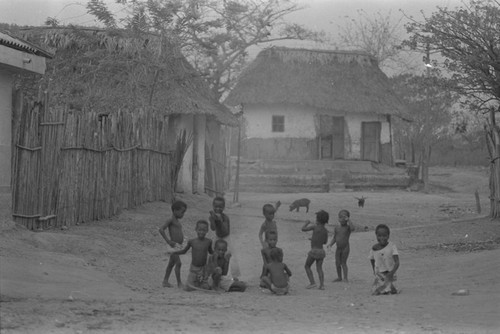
(319, 14)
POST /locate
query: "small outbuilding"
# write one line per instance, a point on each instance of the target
(301, 104)
(16, 56)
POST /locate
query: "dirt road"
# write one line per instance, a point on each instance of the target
(105, 277)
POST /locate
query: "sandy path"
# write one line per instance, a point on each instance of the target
(119, 265)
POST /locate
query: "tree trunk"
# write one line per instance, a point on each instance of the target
(426, 157)
(493, 144)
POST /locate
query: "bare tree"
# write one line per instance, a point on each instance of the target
(467, 37)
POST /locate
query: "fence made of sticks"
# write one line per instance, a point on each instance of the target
(71, 166)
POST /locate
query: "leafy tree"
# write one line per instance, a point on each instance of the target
(468, 38)
(429, 103)
(214, 35)
(380, 35)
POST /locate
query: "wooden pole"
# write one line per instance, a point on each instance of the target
(237, 177)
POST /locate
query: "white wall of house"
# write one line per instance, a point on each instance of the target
(300, 122)
(11, 61)
(5, 129)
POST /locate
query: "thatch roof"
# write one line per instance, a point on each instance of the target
(116, 70)
(340, 81)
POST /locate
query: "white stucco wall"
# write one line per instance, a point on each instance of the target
(5, 129)
(300, 122)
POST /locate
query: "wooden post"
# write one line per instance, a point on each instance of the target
(237, 178)
(478, 203)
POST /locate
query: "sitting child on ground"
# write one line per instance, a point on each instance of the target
(384, 258)
(218, 267)
(276, 274)
(271, 240)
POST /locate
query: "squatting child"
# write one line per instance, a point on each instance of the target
(276, 274)
(341, 234)
(384, 258)
(201, 247)
(175, 241)
(271, 240)
(218, 264)
(269, 224)
(317, 253)
(219, 222)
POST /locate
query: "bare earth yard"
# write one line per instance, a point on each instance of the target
(105, 276)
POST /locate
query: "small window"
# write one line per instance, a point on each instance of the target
(278, 123)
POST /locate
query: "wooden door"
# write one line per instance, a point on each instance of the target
(370, 141)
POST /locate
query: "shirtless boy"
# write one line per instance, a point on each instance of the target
(269, 224)
(201, 247)
(341, 235)
(175, 241)
(276, 274)
(317, 253)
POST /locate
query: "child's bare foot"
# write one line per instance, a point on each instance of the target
(321, 287)
(338, 280)
(180, 285)
(311, 286)
(165, 284)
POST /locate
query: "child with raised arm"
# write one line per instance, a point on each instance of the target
(175, 241)
(317, 253)
(384, 258)
(271, 240)
(219, 222)
(341, 235)
(218, 264)
(201, 247)
(269, 224)
(276, 274)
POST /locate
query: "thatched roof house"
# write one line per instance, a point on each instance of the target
(340, 81)
(111, 70)
(328, 104)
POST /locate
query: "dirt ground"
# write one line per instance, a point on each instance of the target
(105, 276)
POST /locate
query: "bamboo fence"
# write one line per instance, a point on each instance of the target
(71, 167)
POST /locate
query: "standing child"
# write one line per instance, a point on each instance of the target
(276, 274)
(317, 253)
(175, 241)
(384, 258)
(341, 236)
(201, 247)
(218, 264)
(219, 222)
(269, 224)
(271, 240)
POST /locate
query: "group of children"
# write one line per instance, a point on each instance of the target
(214, 266)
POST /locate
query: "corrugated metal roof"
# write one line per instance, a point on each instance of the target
(21, 45)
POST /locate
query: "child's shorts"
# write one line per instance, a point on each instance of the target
(317, 253)
(198, 277)
(177, 247)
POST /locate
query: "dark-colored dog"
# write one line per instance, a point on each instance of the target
(299, 203)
